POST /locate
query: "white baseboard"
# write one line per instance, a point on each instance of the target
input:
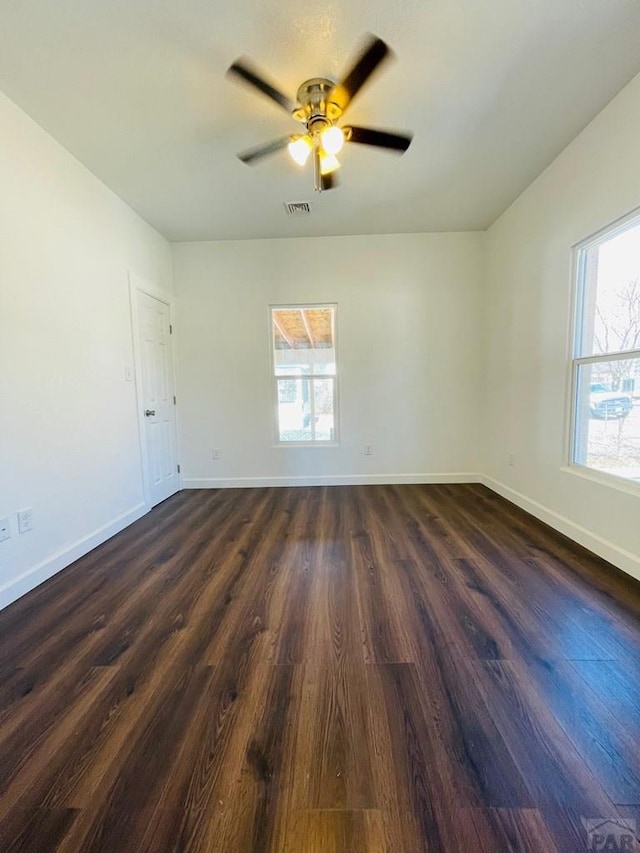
(327, 480)
(33, 577)
(625, 560)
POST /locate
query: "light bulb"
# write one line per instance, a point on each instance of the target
(332, 140)
(328, 163)
(300, 149)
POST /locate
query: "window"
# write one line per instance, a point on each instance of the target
(303, 344)
(606, 364)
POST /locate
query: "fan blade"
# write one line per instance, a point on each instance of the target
(261, 151)
(374, 52)
(329, 182)
(242, 69)
(380, 138)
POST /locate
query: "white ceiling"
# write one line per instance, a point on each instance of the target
(493, 90)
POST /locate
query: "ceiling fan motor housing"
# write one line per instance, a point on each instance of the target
(315, 110)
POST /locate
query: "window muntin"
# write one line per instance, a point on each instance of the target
(606, 364)
(303, 349)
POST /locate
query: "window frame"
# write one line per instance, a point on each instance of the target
(317, 443)
(577, 360)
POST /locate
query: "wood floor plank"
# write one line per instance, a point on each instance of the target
(292, 643)
(349, 669)
(254, 789)
(372, 556)
(35, 753)
(337, 831)
(509, 831)
(333, 766)
(616, 686)
(35, 829)
(559, 779)
(408, 766)
(607, 747)
(119, 813)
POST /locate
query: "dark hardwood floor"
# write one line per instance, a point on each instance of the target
(334, 670)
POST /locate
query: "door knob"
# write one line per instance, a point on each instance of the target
(149, 413)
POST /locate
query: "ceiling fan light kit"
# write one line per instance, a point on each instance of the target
(328, 163)
(299, 148)
(321, 103)
(332, 139)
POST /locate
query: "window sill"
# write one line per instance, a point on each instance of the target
(305, 444)
(631, 487)
(317, 445)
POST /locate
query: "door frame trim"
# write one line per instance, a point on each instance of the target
(138, 284)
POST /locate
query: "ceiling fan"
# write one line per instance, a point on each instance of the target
(320, 104)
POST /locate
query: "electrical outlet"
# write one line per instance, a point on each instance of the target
(25, 520)
(368, 450)
(215, 453)
(5, 530)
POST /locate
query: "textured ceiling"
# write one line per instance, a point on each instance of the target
(493, 90)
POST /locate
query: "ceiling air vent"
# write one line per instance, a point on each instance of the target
(297, 208)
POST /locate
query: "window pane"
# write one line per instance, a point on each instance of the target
(323, 392)
(611, 296)
(304, 340)
(607, 434)
(294, 411)
(287, 390)
(306, 409)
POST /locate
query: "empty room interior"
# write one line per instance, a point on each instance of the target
(320, 421)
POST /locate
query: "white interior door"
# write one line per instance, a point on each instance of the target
(157, 397)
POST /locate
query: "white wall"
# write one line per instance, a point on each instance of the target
(528, 309)
(68, 430)
(408, 356)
